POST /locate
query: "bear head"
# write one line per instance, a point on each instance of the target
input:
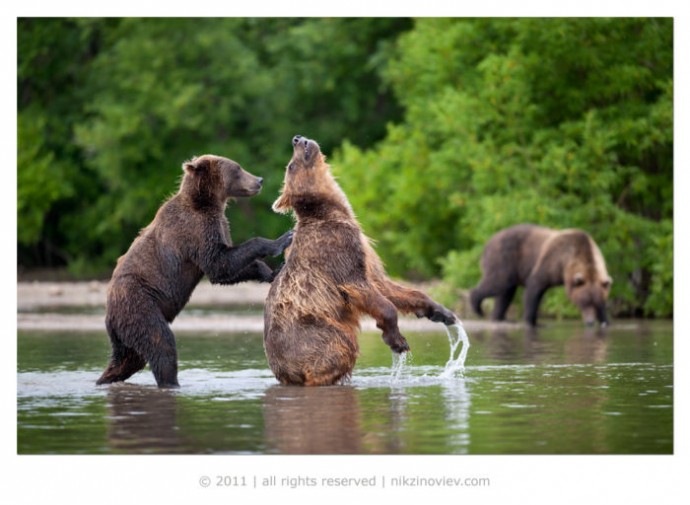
(210, 180)
(588, 286)
(309, 188)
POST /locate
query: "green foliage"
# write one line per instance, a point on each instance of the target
(442, 132)
(560, 122)
(40, 179)
(661, 271)
(115, 106)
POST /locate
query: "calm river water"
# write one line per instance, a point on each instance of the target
(562, 390)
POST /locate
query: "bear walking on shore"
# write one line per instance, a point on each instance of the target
(331, 277)
(540, 258)
(188, 238)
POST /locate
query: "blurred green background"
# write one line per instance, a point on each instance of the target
(441, 131)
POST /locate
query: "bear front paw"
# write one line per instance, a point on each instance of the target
(396, 342)
(441, 314)
(282, 243)
(437, 313)
(276, 271)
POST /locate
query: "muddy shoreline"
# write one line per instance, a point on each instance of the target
(80, 306)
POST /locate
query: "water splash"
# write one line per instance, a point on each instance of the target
(457, 336)
(398, 367)
(460, 337)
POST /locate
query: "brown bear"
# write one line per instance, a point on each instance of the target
(188, 238)
(330, 278)
(540, 258)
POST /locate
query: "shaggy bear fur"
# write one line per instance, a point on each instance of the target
(331, 277)
(540, 258)
(188, 238)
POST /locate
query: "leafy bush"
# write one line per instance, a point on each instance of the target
(560, 122)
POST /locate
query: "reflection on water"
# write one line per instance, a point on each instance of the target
(583, 345)
(456, 399)
(559, 390)
(312, 421)
(142, 419)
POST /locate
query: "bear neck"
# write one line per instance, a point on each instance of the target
(321, 207)
(200, 196)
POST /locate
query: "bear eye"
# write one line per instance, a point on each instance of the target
(578, 281)
(291, 166)
(606, 284)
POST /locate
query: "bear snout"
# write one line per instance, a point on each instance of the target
(299, 140)
(588, 315)
(257, 186)
(304, 148)
(593, 313)
(249, 185)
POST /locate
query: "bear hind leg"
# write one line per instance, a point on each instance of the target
(476, 299)
(487, 288)
(161, 353)
(502, 302)
(162, 357)
(124, 363)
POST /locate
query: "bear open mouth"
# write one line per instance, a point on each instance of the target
(307, 147)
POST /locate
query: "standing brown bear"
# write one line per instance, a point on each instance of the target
(188, 238)
(540, 258)
(331, 277)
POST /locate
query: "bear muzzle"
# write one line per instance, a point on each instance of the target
(592, 313)
(305, 149)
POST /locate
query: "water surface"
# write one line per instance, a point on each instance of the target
(563, 389)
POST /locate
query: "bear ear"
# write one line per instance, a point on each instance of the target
(196, 165)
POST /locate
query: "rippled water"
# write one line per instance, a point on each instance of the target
(561, 390)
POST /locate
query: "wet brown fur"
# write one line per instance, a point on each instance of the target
(540, 258)
(188, 238)
(332, 276)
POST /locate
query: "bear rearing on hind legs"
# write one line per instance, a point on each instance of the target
(331, 277)
(153, 280)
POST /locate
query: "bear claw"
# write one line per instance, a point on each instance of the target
(283, 242)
